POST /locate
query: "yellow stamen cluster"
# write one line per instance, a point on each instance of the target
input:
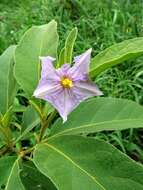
(66, 82)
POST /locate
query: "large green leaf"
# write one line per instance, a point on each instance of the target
(116, 54)
(7, 81)
(6, 164)
(32, 179)
(75, 162)
(101, 114)
(14, 180)
(37, 41)
(9, 174)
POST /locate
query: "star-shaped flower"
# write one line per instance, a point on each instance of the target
(67, 86)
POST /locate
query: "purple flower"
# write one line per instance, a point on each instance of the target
(67, 86)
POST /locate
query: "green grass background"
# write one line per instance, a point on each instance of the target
(101, 23)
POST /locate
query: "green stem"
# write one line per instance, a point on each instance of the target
(5, 131)
(3, 151)
(45, 124)
(23, 153)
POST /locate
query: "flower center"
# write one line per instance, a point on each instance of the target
(66, 82)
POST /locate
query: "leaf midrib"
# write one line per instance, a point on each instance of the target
(124, 54)
(113, 60)
(90, 125)
(11, 172)
(74, 163)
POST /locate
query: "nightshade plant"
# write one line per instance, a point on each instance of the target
(38, 150)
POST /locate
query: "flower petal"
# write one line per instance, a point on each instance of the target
(84, 90)
(57, 100)
(64, 101)
(48, 71)
(80, 69)
(70, 103)
(75, 95)
(46, 87)
(63, 70)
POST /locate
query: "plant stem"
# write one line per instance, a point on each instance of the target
(3, 151)
(5, 132)
(45, 124)
(23, 153)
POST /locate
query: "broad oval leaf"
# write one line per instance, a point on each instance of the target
(7, 81)
(76, 162)
(116, 54)
(100, 114)
(9, 173)
(37, 41)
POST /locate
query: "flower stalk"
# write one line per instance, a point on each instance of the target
(45, 124)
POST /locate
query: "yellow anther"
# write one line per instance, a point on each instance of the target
(66, 82)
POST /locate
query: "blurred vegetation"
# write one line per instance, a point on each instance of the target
(101, 23)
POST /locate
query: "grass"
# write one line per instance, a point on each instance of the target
(100, 24)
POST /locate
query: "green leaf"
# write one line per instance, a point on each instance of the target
(116, 54)
(66, 53)
(61, 60)
(6, 119)
(17, 107)
(37, 41)
(1, 142)
(3, 135)
(48, 108)
(6, 164)
(69, 45)
(5, 131)
(33, 179)
(106, 114)
(29, 121)
(30, 118)
(9, 173)
(7, 81)
(14, 178)
(76, 162)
